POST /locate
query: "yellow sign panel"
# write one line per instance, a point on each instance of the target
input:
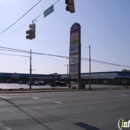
(73, 39)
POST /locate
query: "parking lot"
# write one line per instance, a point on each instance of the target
(26, 86)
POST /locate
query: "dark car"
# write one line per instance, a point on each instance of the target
(40, 83)
(36, 83)
(20, 82)
(58, 83)
(32, 83)
(43, 82)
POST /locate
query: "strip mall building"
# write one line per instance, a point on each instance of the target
(112, 77)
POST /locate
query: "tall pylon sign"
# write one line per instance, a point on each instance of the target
(75, 52)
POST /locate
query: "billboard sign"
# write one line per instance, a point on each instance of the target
(75, 52)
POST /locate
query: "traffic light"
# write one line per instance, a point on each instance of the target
(31, 31)
(70, 6)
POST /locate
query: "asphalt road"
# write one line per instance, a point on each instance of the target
(82, 110)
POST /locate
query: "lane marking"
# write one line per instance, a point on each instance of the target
(35, 98)
(57, 102)
(4, 127)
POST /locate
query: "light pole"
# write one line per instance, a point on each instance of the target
(67, 71)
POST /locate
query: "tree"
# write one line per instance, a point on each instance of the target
(125, 70)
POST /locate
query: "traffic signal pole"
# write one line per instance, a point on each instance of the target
(30, 84)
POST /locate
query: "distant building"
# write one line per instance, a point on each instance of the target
(111, 77)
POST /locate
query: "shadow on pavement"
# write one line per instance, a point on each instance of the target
(86, 126)
(8, 101)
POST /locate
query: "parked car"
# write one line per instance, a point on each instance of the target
(36, 83)
(40, 82)
(32, 83)
(73, 82)
(58, 83)
(20, 82)
(43, 82)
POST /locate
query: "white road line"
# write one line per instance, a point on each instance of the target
(124, 94)
(5, 97)
(35, 98)
(58, 102)
(4, 127)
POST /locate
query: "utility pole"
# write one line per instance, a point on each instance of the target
(67, 73)
(89, 67)
(30, 69)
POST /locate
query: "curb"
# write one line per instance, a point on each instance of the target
(58, 90)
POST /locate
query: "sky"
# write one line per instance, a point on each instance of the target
(105, 26)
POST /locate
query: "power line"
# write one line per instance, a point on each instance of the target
(3, 5)
(29, 21)
(54, 59)
(13, 55)
(23, 51)
(13, 49)
(8, 44)
(85, 50)
(66, 57)
(104, 62)
(20, 17)
(37, 53)
(41, 42)
(56, 2)
(42, 12)
(16, 29)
